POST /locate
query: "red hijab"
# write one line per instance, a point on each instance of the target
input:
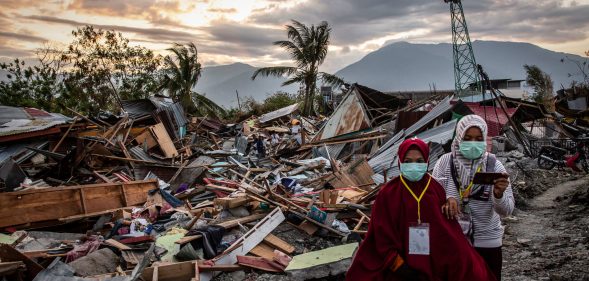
(451, 256)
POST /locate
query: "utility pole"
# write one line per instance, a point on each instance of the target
(238, 102)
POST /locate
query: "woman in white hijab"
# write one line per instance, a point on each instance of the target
(477, 207)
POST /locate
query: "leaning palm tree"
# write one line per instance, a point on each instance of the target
(181, 73)
(307, 46)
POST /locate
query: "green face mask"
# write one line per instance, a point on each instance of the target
(472, 149)
(413, 171)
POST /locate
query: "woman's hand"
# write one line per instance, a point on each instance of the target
(451, 209)
(500, 185)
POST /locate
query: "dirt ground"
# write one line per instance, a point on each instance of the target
(548, 239)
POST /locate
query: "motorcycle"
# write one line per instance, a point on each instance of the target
(576, 158)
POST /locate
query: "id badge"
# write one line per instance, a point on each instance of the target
(419, 239)
(465, 223)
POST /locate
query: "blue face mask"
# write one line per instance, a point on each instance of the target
(472, 149)
(413, 171)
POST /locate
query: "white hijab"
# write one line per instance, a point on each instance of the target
(466, 168)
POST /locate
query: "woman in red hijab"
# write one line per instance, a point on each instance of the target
(408, 237)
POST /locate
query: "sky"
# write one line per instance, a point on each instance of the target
(230, 31)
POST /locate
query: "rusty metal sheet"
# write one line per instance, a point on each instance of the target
(350, 116)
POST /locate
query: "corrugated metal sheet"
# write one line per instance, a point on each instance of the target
(332, 151)
(36, 113)
(478, 98)
(440, 109)
(19, 151)
(350, 116)
(8, 113)
(138, 153)
(278, 113)
(440, 134)
(20, 126)
(138, 108)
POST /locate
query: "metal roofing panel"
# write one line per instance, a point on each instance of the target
(138, 108)
(8, 113)
(350, 116)
(138, 153)
(440, 134)
(36, 113)
(19, 150)
(20, 126)
(440, 109)
(278, 113)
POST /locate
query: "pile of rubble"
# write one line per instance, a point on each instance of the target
(152, 194)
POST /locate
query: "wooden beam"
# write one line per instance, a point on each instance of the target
(64, 135)
(117, 244)
(60, 203)
(155, 274)
(9, 254)
(279, 244)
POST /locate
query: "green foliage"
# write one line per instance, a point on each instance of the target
(542, 83)
(30, 86)
(278, 100)
(95, 72)
(249, 106)
(105, 69)
(307, 46)
(181, 73)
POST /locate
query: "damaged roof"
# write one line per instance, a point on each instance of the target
(278, 113)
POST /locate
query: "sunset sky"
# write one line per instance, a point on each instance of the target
(227, 31)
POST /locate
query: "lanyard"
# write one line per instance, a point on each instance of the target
(418, 199)
(466, 192)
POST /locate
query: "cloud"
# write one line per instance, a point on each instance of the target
(22, 37)
(157, 12)
(11, 52)
(157, 34)
(356, 22)
(222, 10)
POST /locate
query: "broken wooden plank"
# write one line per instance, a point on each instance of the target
(9, 254)
(279, 244)
(231, 202)
(163, 139)
(117, 244)
(260, 263)
(263, 250)
(23, 207)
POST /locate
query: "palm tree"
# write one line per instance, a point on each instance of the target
(181, 73)
(307, 46)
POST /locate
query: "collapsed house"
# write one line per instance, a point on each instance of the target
(153, 194)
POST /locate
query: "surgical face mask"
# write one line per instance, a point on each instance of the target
(413, 171)
(472, 149)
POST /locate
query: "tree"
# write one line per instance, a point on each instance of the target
(542, 83)
(105, 69)
(36, 86)
(307, 46)
(278, 100)
(181, 73)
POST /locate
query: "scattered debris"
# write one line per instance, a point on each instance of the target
(152, 194)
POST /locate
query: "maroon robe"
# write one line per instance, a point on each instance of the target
(451, 255)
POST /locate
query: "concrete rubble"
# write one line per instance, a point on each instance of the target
(151, 193)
